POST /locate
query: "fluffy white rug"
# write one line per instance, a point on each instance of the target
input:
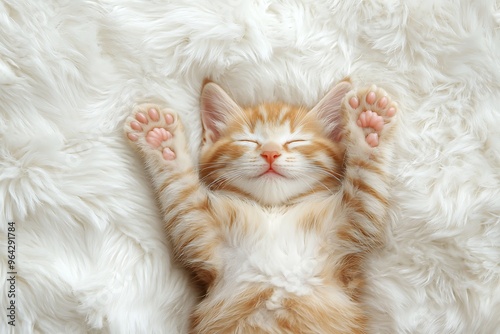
(90, 253)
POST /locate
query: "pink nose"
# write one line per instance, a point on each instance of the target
(270, 156)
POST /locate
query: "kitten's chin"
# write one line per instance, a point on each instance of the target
(271, 173)
(273, 188)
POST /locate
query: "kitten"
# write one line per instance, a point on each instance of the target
(276, 219)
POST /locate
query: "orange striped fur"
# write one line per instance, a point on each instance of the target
(278, 251)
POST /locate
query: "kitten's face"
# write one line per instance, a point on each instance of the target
(271, 153)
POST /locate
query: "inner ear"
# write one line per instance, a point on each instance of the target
(328, 109)
(216, 109)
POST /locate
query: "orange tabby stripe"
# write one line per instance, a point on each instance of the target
(362, 186)
(367, 165)
(171, 178)
(228, 316)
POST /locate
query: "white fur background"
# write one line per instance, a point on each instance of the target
(91, 256)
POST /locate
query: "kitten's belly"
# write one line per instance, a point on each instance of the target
(278, 278)
(277, 253)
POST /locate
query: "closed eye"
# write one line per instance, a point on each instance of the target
(248, 141)
(291, 144)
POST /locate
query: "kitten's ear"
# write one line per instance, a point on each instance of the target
(328, 109)
(216, 108)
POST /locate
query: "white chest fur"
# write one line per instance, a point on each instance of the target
(270, 248)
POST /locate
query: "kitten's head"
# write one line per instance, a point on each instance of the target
(272, 152)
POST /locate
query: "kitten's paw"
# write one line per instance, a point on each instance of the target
(373, 112)
(154, 130)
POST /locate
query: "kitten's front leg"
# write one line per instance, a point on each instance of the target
(159, 136)
(369, 118)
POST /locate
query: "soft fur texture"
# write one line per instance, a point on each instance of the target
(91, 255)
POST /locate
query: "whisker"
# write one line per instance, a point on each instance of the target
(227, 177)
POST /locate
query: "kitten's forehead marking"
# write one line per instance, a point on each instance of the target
(274, 123)
(274, 113)
(272, 133)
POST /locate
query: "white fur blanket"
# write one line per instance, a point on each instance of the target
(90, 252)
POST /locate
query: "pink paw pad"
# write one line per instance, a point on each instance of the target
(371, 97)
(169, 119)
(370, 119)
(372, 139)
(382, 103)
(132, 136)
(141, 118)
(168, 154)
(136, 126)
(156, 136)
(354, 102)
(153, 114)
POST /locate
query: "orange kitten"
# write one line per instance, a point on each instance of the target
(284, 205)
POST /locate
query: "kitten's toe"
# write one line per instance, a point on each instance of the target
(135, 126)
(371, 97)
(141, 118)
(132, 136)
(354, 102)
(153, 114)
